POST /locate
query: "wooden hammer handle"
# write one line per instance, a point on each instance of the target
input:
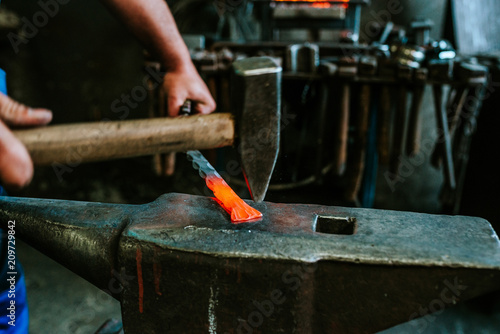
(414, 122)
(83, 142)
(342, 130)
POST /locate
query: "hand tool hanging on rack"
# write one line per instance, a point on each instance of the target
(404, 75)
(347, 70)
(225, 59)
(302, 60)
(369, 180)
(441, 71)
(414, 121)
(408, 58)
(356, 158)
(466, 76)
(421, 31)
(328, 72)
(476, 78)
(387, 71)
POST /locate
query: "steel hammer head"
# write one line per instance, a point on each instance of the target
(256, 98)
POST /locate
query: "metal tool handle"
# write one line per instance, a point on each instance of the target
(186, 108)
(442, 123)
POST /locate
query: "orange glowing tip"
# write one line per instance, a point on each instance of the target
(320, 3)
(240, 211)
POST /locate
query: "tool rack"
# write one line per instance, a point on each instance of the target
(376, 135)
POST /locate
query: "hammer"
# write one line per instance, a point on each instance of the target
(256, 106)
(177, 265)
(387, 71)
(367, 67)
(404, 74)
(440, 71)
(347, 70)
(414, 122)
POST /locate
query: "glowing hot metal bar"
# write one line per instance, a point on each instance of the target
(239, 210)
(318, 3)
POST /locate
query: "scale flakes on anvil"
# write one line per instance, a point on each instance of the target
(240, 211)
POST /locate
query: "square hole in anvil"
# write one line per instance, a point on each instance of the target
(335, 225)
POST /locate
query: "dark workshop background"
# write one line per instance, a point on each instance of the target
(84, 59)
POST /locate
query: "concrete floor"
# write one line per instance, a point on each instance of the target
(78, 64)
(60, 301)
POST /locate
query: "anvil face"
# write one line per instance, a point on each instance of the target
(301, 269)
(292, 232)
(198, 272)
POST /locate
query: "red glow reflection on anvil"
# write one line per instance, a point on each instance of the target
(240, 211)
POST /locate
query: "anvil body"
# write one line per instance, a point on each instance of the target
(178, 265)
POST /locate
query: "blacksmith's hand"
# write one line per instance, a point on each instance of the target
(16, 167)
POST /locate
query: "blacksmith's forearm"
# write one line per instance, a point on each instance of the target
(152, 22)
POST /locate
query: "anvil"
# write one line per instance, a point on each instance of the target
(178, 265)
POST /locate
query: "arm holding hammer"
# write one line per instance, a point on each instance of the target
(154, 25)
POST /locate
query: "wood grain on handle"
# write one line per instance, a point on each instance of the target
(83, 142)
